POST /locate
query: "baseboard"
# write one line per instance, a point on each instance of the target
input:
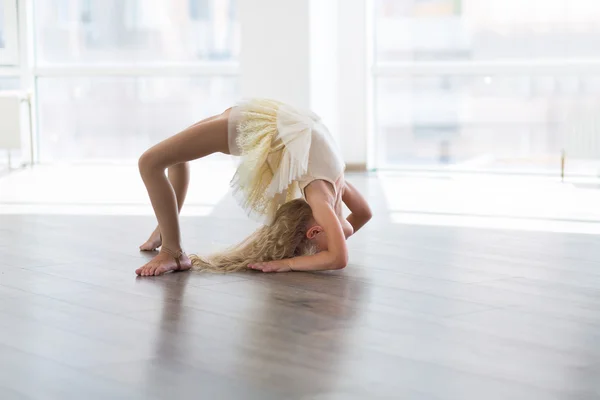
(356, 167)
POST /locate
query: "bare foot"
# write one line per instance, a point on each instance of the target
(154, 242)
(163, 263)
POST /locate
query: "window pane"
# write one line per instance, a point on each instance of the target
(132, 31)
(2, 39)
(8, 33)
(486, 29)
(9, 83)
(488, 122)
(116, 118)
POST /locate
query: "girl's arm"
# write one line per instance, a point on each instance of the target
(360, 212)
(320, 200)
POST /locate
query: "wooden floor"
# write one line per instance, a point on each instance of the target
(422, 312)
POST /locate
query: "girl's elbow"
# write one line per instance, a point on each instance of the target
(340, 262)
(368, 214)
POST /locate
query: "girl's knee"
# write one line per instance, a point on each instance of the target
(149, 161)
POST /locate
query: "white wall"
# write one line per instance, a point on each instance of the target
(312, 54)
(352, 72)
(323, 30)
(275, 50)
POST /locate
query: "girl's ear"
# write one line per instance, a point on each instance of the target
(313, 232)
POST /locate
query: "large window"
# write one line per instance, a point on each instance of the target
(486, 29)
(116, 76)
(486, 84)
(92, 32)
(117, 118)
(8, 33)
(516, 122)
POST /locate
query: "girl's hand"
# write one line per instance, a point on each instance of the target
(271, 266)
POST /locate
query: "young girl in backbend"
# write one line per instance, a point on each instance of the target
(291, 175)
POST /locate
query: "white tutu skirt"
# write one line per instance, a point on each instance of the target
(273, 142)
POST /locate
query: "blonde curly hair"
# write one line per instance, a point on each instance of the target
(284, 238)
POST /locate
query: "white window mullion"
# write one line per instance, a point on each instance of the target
(507, 67)
(224, 68)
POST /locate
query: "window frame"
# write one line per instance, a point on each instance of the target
(383, 69)
(111, 69)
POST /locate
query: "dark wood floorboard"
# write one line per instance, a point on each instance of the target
(421, 312)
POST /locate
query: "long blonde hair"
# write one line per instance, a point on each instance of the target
(284, 238)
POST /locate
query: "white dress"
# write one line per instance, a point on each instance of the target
(282, 150)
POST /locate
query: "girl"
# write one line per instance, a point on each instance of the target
(290, 175)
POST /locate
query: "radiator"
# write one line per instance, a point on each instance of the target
(10, 121)
(582, 133)
(16, 124)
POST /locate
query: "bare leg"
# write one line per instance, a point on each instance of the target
(179, 177)
(195, 142)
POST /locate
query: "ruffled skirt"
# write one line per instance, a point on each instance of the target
(273, 141)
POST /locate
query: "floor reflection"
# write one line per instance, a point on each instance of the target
(304, 327)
